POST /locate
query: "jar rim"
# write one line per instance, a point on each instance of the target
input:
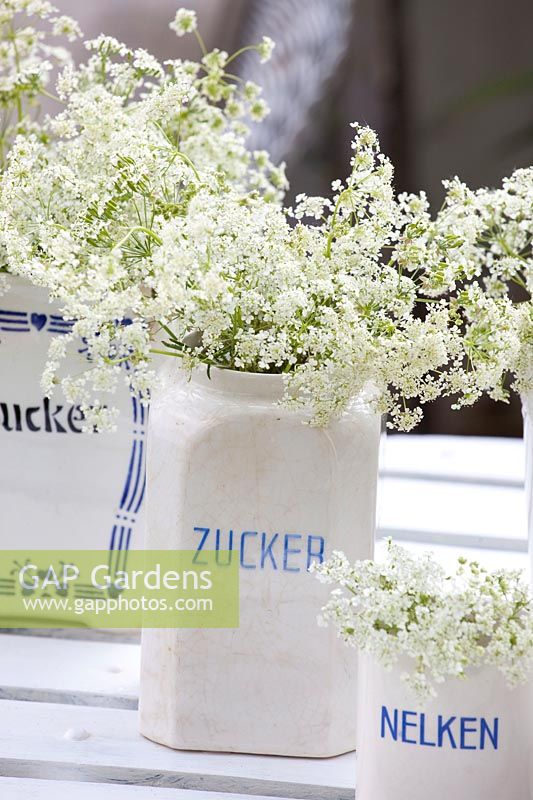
(230, 381)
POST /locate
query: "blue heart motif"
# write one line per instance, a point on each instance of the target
(39, 321)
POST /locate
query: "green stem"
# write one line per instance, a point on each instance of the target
(201, 42)
(331, 235)
(13, 37)
(140, 229)
(241, 51)
(178, 153)
(114, 361)
(166, 353)
(236, 78)
(53, 97)
(428, 299)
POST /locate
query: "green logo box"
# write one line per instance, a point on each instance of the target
(125, 589)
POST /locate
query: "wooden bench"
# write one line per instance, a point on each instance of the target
(68, 700)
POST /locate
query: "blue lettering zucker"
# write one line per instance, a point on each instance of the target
(288, 552)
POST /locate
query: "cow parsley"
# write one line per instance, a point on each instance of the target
(184, 22)
(83, 200)
(140, 208)
(28, 54)
(30, 49)
(444, 624)
(479, 250)
(143, 212)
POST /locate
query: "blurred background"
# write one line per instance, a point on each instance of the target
(448, 86)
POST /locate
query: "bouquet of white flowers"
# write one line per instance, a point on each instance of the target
(83, 200)
(409, 607)
(141, 210)
(28, 55)
(477, 252)
(153, 229)
(30, 32)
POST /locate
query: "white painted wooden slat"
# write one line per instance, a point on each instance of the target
(31, 789)
(473, 498)
(454, 513)
(32, 744)
(62, 670)
(492, 460)
(87, 673)
(114, 635)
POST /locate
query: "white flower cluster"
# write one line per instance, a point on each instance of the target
(143, 212)
(184, 22)
(478, 253)
(141, 209)
(28, 54)
(84, 201)
(409, 608)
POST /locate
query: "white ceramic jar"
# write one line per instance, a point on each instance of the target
(228, 468)
(471, 743)
(59, 488)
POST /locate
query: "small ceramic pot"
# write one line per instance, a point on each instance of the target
(470, 743)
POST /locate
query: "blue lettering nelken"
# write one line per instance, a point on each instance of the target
(287, 552)
(452, 732)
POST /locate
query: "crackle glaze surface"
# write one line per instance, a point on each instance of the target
(472, 742)
(223, 457)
